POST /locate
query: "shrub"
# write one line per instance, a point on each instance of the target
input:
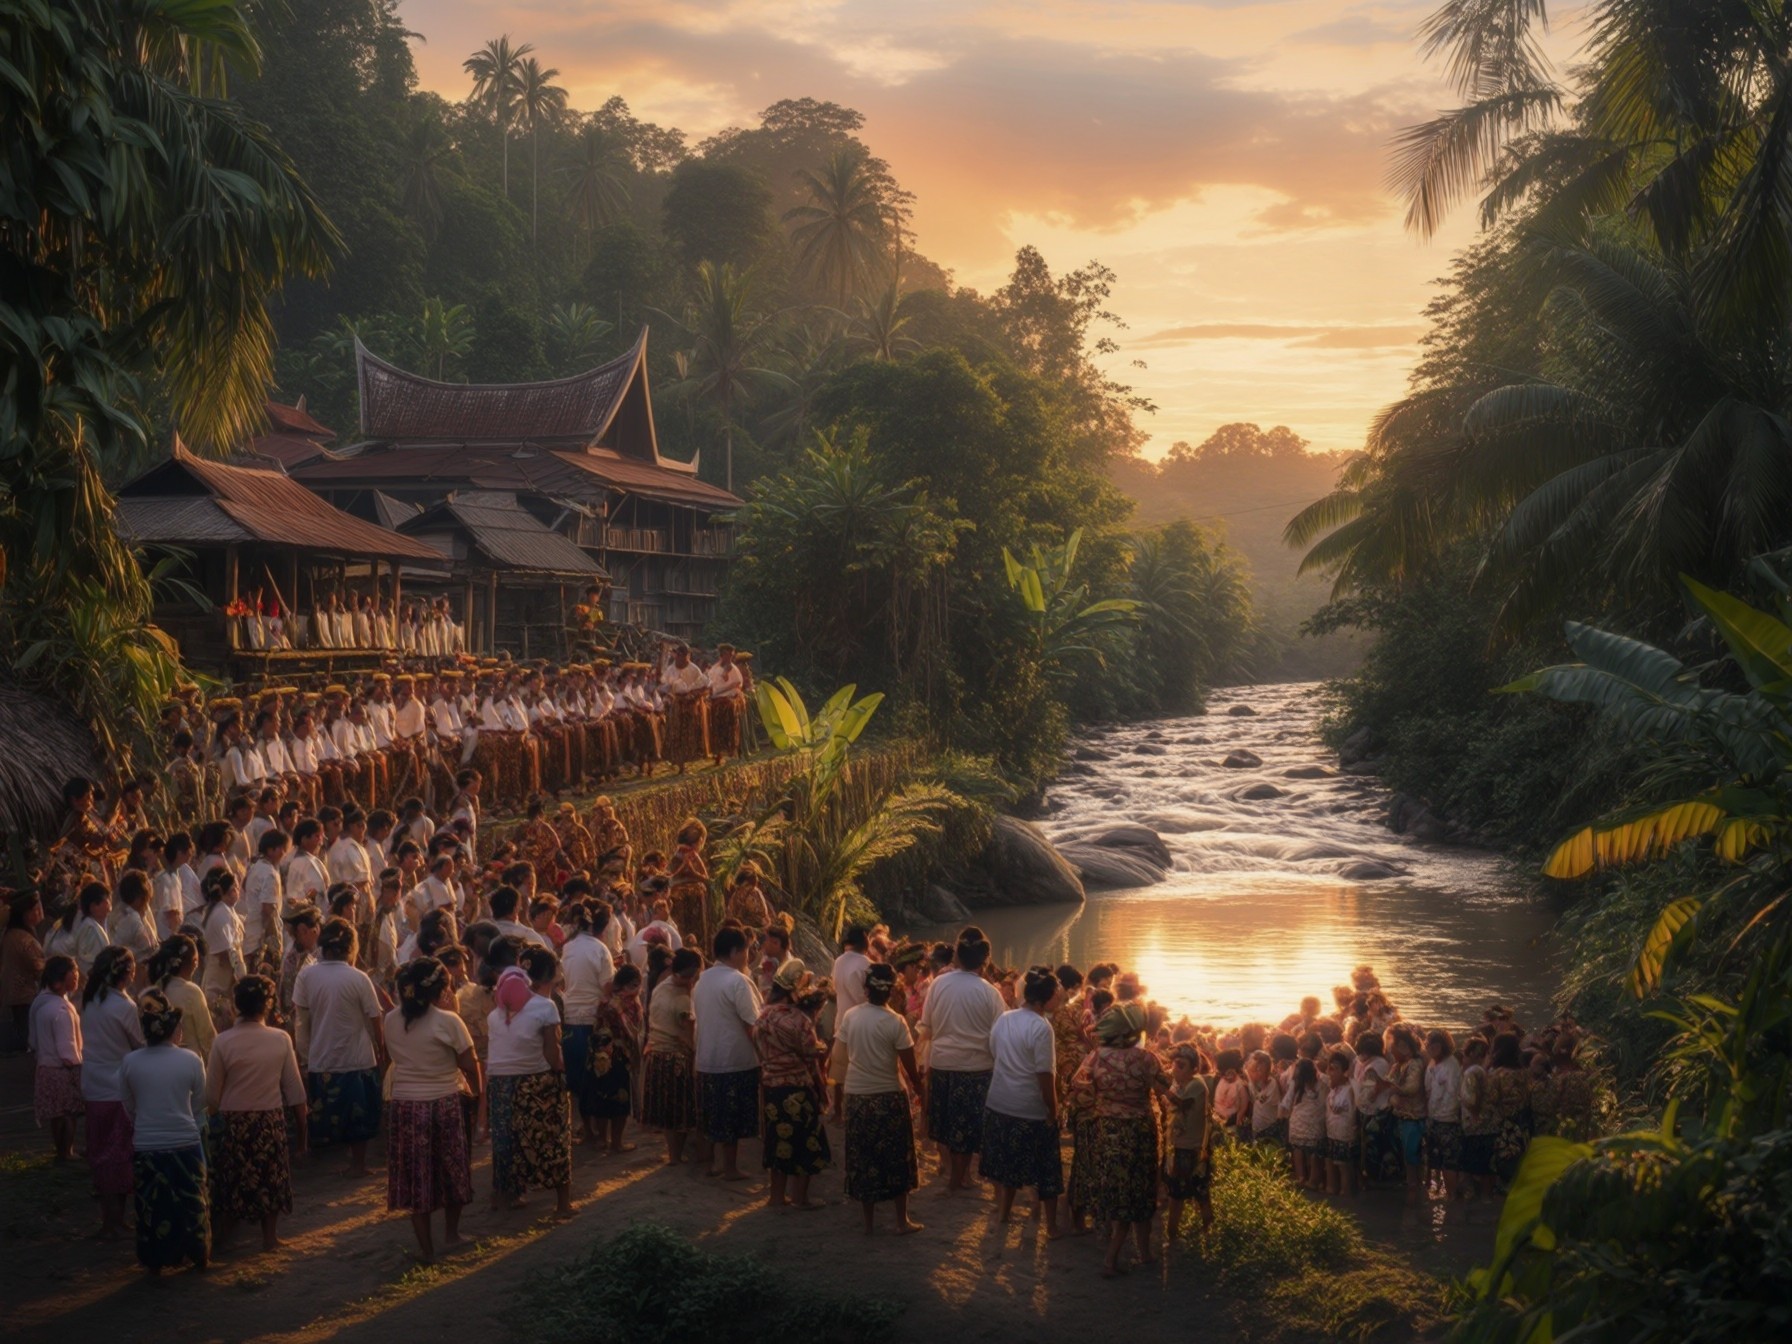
(649, 1285)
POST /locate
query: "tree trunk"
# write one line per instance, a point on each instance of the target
(534, 184)
(504, 134)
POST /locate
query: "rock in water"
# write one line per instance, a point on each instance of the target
(941, 906)
(1242, 760)
(1369, 870)
(1309, 772)
(1258, 792)
(1022, 867)
(1242, 712)
(1118, 858)
(1150, 749)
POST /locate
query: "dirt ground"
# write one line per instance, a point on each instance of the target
(348, 1270)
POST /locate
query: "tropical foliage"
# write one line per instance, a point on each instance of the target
(147, 226)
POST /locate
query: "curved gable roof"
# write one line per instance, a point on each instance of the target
(397, 405)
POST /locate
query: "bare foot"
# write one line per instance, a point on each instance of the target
(623, 1148)
(454, 1243)
(562, 1215)
(808, 1206)
(1112, 1271)
(734, 1176)
(903, 1229)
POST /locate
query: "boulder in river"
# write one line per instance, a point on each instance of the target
(1369, 870)
(1118, 858)
(1309, 772)
(1021, 867)
(1356, 747)
(1150, 749)
(940, 906)
(1088, 753)
(1242, 760)
(1259, 792)
(1242, 712)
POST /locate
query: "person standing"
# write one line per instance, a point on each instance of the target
(162, 1091)
(962, 1009)
(110, 1030)
(531, 1137)
(22, 959)
(668, 1073)
(849, 970)
(1121, 1080)
(795, 1095)
(252, 1084)
(727, 1008)
(1020, 1119)
(53, 1036)
(171, 972)
(427, 1162)
(339, 1041)
(264, 902)
(871, 1043)
(1443, 1112)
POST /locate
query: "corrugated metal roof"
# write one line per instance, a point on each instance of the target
(297, 420)
(640, 478)
(391, 512)
(507, 534)
(286, 451)
(396, 404)
(268, 506)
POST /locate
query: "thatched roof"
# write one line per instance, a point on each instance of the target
(42, 747)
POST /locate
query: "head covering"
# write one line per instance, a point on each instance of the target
(653, 933)
(1122, 1023)
(879, 975)
(792, 977)
(512, 991)
(909, 954)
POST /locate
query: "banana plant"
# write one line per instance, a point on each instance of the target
(1064, 629)
(1742, 738)
(828, 734)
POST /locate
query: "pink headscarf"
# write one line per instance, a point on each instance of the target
(512, 991)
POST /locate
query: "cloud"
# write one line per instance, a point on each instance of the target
(1355, 30)
(1304, 336)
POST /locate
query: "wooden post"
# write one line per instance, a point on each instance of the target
(231, 565)
(491, 602)
(467, 618)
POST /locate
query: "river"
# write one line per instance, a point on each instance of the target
(1256, 911)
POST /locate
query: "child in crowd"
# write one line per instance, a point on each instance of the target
(1304, 1107)
(1188, 1173)
(1341, 1147)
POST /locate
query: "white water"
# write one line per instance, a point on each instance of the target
(1256, 912)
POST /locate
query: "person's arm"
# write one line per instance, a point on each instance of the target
(214, 1086)
(301, 1034)
(836, 1074)
(550, 1046)
(468, 1062)
(906, 1057)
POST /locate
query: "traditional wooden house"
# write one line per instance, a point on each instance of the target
(257, 544)
(578, 454)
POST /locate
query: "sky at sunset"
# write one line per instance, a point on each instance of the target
(1226, 157)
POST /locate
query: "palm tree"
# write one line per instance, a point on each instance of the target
(839, 233)
(541, 103)
(574, 331)
(727, 337)
(144, 246)
(444, 332)
(878, 325)
(599, 189)
(497, 69)
(426, 152)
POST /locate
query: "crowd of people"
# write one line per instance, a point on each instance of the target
(417, 729)
(453, 1005)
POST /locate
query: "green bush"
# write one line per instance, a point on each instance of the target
(1305, 1261)
(649, 1285)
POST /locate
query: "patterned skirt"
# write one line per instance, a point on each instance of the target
(649, 729)
(173, 1216)
(1443, 1143)
(955, 1108)
(109, 1147)
(668, 1093)
(1123, 1180)
(1477, 1154)
(724, 727)
(1382, 1159)
(345, 1107)
(251, 1167)
(687, 730)
(1082, 1160)
(531, 1140)
(56, 1093)
(880, 1147)
(1019, 1152)
(427, 1165)
(1275, 1135)
(796, 1143)
(728, 1105)
(690, 910)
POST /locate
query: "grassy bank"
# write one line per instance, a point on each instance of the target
(1306, 1263)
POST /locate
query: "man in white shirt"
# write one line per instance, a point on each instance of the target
(1021, 1124)
(849, 970)
(961, 1010)
(726, 703)
(661, 910)
(727, 1007)
(263, 902)
(434, 892)
(504, 902)
(238, 854)
(348, 862)
(338, 1039)
(244, 768)
(687, 708)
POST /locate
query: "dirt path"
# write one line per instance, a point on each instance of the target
(348, 1270)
